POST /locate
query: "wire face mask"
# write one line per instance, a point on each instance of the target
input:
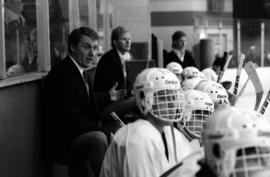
(159, 93)
(198, 109)
(196, 122)
(166, 104)
(249, 160)
(237, 143)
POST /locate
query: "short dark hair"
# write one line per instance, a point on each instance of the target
(117, 32)
(75, 36)
(176, 36)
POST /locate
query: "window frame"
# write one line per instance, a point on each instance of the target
(43, 41)
(43, 38)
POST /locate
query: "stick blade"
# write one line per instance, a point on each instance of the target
(253, 75)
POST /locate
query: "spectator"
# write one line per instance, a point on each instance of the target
(145, 147)
(74, 134)
(179, 52)
(30, 60)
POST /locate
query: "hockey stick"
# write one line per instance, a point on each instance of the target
(186, 167)
(117, 119)
(238, 74)
(253, 75)
(174, 143)
(242, 90)
(265, 103)
(221, 73)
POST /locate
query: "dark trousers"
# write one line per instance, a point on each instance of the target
(87, 153)
(121, 108)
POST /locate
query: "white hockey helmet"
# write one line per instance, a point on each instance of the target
(159, 93)
(191, 72)
(210, 74)
(236, 142)
(198, 108)
(215, 90)
(191, 83)
(176, 68)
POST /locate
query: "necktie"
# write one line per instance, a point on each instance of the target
(125, 72)
(86, 79)
(85, 76)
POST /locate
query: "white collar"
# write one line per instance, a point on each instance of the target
(180, 54)
(124, 57)
(81, 69)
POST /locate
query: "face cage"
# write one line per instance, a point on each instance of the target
(196, 121)
(249, 160)
(168, 105)
(220, 102)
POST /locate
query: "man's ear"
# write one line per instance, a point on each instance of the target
(114, 43)
(72, 48)
(174, 44)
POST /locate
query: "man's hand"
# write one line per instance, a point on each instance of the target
(116, 95)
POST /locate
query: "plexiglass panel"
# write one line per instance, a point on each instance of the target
(20, 36)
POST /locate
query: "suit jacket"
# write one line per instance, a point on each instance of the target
(70, 111)
(109, 71)
(172, 57)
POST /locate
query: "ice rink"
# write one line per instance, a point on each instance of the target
(248, 98)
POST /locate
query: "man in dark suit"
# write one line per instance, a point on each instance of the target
(179, 53)
(111, 84)
(74, 134)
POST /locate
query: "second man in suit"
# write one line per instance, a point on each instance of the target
(111, 84)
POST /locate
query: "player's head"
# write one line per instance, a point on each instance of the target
(215, 90)
(191, 72)
(198, 108)
(121, 39)
(237, 142)
(158, 93)
(176, 68)
(191, 83)
(179, 40)
(210, 74)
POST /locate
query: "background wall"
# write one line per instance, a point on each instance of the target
(20, 131)
(194, 17)
(135, 15)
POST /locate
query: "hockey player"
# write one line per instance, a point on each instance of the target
(237, 143)
(147, 146)
(191, 72)
(189, 84)
(198, 108)
(210, 74)
(176, 68)
(215, 90)
(191, 76)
